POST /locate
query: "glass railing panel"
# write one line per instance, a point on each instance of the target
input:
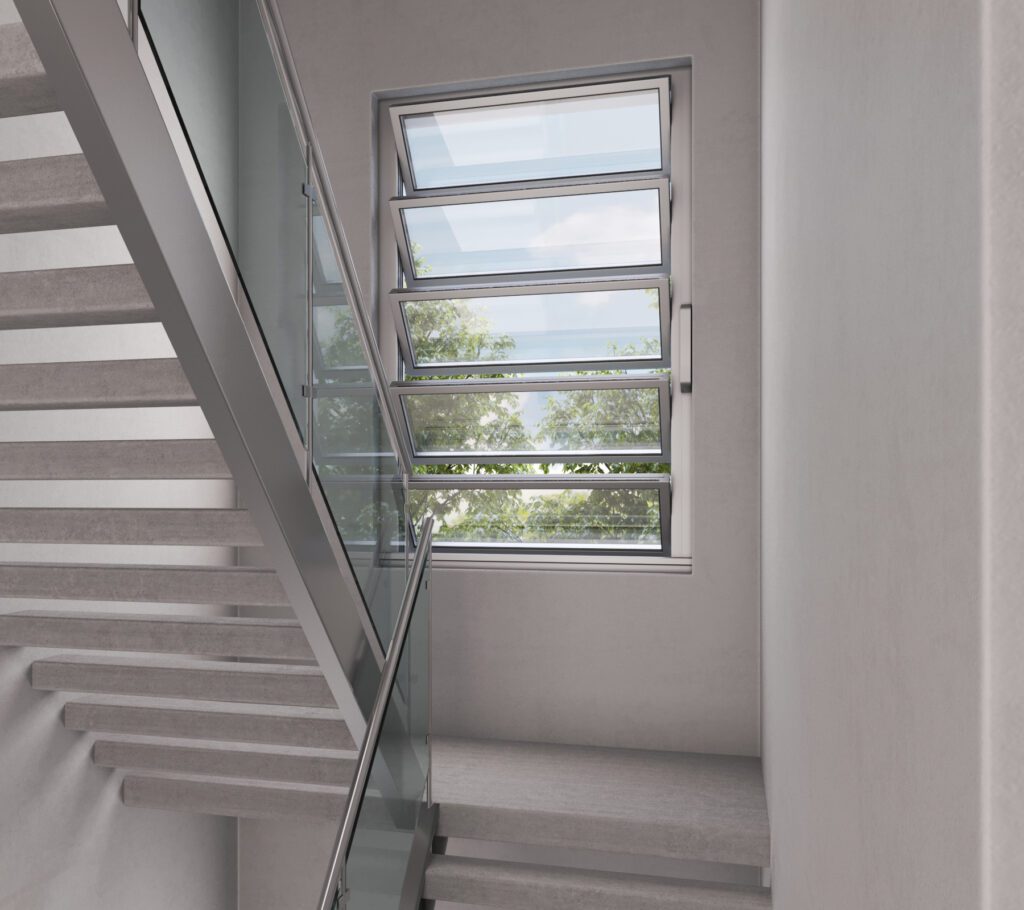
(219, 69)
(386, 825)
(222, 74)
(352, 454)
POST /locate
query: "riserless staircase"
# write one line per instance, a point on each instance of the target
(223, 714)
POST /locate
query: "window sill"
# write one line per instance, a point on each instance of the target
(674, 565)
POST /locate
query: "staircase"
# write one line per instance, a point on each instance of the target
(196, 685)
(200, 711)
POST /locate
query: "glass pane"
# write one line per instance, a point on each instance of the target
(380, 852)
(352, 455)
(221, 74)
(543, 234)
(570, 518)
(604, 421)
(535, 328)
(534, 140)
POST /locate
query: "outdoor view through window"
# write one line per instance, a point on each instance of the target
(534, 316)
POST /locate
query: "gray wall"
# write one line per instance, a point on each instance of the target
(65, 838)
(648, 660)
(1003, 112)
(892, 421)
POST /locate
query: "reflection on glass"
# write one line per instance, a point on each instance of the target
(575, 518)
(377, 860)
(543, 234)
(538, 328)
(534, 140)
(600, 420)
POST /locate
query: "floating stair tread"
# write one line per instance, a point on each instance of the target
(319, 728)
(518, 886)
(94, 384)
(24, 88)
(237, 585)
(48, 194)
(205, 680)
(165, 527)
(215, 636)
(149, 459)
(319, 767)
(678, 805)
(252, 799)
(95, 295)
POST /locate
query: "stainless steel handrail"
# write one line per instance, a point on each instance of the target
(299, 110)
(335, 874)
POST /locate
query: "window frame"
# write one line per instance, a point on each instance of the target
(386, 276)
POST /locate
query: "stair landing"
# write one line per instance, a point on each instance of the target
(677, 805)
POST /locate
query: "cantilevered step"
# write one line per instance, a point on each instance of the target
(237, 585)
(320, 767)
(23, 85)
(98, 295)
(167, 527)
(678, 805)
(517, 886)
(204, 680)
(227, 797)
(47, 194)
(221, 636)
(94, 384)
(149, 459)
(315, 728)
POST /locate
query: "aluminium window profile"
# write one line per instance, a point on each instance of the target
(504, 98)
(660, 483)
(418, 388)
(398, 299)
(401, 204)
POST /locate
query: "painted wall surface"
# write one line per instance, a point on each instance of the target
(873, 356)
(646, 660)
(1004, 214)
(65, 837)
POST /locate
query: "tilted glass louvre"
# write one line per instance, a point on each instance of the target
(552, 517)
(533, 136)
(536, 421)
(609, 226)
(537, 327)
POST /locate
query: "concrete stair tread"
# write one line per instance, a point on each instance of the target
(213, 680)
(47, 194)
(24, 88)
(159, 382)
(116, 459)
(217, 636)
(321, 767)
(519, 886)
(94, 295)
(233, 798)
(159, 527)
(678, 805)
(237, 585)
(270, 725)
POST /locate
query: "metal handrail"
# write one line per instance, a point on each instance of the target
(299, 110)
(356, 793)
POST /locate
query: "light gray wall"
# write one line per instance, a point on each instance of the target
(875, 415)
(65, 837)
(1004, 213)
(647, 660)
